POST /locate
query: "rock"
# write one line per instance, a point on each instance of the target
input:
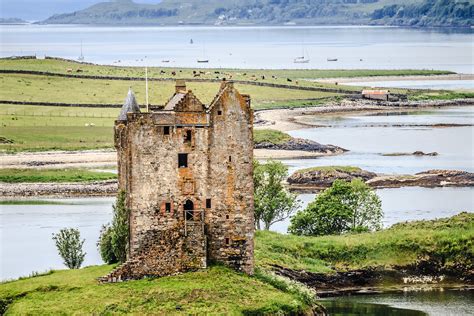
(427, 179)
(420, 153)
(301, 144)
(323, 177)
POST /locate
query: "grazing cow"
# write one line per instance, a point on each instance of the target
(289, 80)
(173, 73)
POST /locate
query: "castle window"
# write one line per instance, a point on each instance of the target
(219, 112)
(227, 217)
(227, 241)
(182, 160)
(188, 210)
(188, 136)
(208, 203)
(166, 130)
(230, 158)
(168, 207)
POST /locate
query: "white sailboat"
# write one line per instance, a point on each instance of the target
(81, 58)
(304, 58)
(204, 59)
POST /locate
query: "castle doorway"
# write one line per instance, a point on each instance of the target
(189, 210)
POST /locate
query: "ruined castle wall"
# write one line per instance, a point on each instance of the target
(154, 179)
(230, 221)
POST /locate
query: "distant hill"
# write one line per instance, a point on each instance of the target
(275, 12)
(12, 21)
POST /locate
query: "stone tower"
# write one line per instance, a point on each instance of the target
(187, 170)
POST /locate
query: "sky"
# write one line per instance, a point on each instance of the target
(35, 10)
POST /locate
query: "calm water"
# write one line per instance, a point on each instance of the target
(434, 303)
(26, 232)
(369, 137)
(418, 84)
(250, 47)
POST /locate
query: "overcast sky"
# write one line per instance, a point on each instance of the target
(42, 9)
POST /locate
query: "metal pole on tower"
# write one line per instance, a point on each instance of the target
(146, 87)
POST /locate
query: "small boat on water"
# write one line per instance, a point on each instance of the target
(165, 61)
(304, 58)
(81, 58)
(191, 41)
(204, 58)
(301, 60)
(332, 59)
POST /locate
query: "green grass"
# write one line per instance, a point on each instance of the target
(34, 88)
(441, 95)
(330, 169)
(216, 290)
(53, 175)
(450, 241)
(270, 136)
(41, 138)
(31, 202)
(219, 290)
(61, 66)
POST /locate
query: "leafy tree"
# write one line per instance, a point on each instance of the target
(344, 207)
(113, 241)
(273, 202)
(69, 245)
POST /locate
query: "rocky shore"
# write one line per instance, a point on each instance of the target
(319, 178)
(98, 188)
(300, 144)
(425, 274)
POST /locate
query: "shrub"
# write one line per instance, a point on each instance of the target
(344, 207)
(113, 241)
(69, 244)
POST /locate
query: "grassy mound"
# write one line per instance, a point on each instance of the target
(449, 241)
(53, 175)
(217, 290)
(270, 136)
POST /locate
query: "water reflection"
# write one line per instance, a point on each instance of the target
(435, 303)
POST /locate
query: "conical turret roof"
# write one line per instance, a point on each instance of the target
(130, 105)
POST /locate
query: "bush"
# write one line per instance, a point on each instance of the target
(344, 207)
(105, 245)
(69, 244)
(113, 241)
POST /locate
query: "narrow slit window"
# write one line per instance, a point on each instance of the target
(168, 207)
(227, 241)
(230, 158)
(208, 203)
(227, 217)
(166, 130)
(188, 136)
(219, 112)
(182, 160)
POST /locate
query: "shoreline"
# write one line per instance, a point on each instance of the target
(459, 76)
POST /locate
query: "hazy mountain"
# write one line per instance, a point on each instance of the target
(244, 12)
(36, 10)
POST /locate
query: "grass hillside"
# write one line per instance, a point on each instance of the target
(219, 290)
(449, 241)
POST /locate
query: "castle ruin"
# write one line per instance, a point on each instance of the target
(187, 172)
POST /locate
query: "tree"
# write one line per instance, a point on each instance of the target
(273, 202)
(113, 241)
(344, 207)
(69, 244)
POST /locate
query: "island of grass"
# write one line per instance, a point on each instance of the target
(53, 175)
(379, 260)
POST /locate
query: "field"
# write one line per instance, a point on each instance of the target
(53, 175)
(447, 242)
(37, 128)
